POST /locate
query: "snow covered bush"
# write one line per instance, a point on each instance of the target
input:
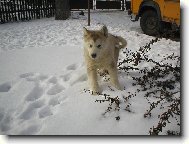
(159, 85)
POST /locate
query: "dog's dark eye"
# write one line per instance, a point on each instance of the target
(90, 46)
(98, 46)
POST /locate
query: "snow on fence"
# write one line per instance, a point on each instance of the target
(16, 10)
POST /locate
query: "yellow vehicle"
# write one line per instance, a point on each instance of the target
(156, 15)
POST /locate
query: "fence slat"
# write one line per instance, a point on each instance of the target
(28, 5)
(12, 10)
(2, 13)
(47, 6)
(32, 9)
(6, 13)
(22, 10)
(42, 8)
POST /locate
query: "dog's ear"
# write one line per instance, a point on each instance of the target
(85, 31)
(104, 30)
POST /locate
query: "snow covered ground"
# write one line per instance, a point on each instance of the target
(43, 77)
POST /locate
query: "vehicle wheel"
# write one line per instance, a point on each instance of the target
(149, 23)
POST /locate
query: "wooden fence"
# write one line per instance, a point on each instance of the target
(21, 10)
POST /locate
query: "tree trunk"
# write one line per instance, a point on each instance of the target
(62, 9)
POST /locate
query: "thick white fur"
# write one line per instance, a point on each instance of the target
(106, 47)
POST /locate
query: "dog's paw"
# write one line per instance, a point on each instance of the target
(118, 87)
(95, 91)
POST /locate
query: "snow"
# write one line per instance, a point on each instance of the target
(43, 77)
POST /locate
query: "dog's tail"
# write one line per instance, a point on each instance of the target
(121, 42)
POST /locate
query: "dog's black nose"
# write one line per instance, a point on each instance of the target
(93, 55)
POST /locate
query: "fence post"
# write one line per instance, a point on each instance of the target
(62, 9)
(123, 5)
(89, 19)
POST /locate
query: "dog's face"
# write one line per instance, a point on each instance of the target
(95, 42)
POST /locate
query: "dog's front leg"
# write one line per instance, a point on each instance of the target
(92, 78)
(112, 69)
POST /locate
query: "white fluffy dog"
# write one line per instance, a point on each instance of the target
(101, 51)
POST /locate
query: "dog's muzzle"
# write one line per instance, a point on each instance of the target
(93, 55)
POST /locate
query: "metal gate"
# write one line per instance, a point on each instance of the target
(106, 4)
(97, 4)
(80, 4)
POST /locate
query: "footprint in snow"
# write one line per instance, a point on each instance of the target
(35, 94)
(31, 109)
(25, 75)
(53, 80)
(5, 87)
(57, 88)
(54, 101)
(44, 112)
(30, 130)
(6, 123)
(66, 77)
(35, 77)
(72, 67)
(28, 114)
(77, 77)
(36, 103)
